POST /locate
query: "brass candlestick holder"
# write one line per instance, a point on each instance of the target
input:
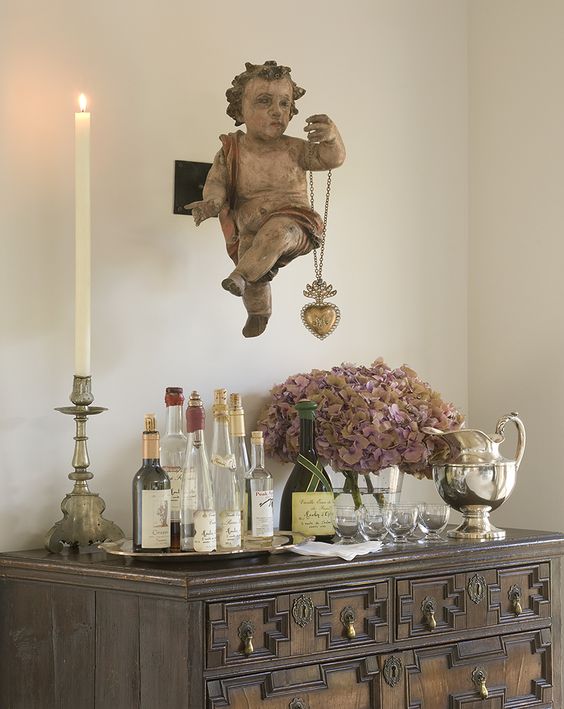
(82, 524)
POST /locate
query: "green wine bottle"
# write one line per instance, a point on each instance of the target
(307, 504)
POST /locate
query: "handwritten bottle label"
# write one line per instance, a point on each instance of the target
(204, 530)
(262, 513)
(313, 512)
(175, 475)
(155, 519)
(230, 532)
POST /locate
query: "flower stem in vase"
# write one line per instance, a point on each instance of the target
(351, 486)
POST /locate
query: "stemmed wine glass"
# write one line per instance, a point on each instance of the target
(432, 520)
(400, 521)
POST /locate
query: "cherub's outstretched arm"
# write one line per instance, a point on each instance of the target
(215, 192)
(326, 149)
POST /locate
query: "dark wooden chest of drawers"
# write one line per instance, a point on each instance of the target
(455, 626)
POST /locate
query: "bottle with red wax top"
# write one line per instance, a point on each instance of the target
(197, 508)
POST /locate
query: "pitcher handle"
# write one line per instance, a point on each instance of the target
(521, 438)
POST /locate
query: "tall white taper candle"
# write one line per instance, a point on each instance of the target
(82, 241)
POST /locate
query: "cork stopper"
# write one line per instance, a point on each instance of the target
(150, 423)
(220, 402)
(256, 436)
(235, 403)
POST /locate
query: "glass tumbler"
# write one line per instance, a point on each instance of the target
(400, 521)
(432, 520)
(346, 524)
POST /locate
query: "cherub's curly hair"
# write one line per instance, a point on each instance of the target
(269, 71)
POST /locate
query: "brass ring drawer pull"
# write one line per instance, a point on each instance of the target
(515, 594)
(479, 677)
(246, 631)
(348, 617)
(429, 608)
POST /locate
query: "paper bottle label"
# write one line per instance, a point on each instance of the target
(230, 533)
(262, 513)
(204, 530)
(175, 475)
(224, 461)
(155, 519)
(312, 513)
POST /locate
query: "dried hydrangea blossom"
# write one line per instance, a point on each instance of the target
(368, 418)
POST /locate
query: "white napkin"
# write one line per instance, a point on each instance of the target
(344, 551)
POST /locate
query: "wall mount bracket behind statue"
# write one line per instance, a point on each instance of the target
(189, 179)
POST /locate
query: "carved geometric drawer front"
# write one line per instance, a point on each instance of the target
(247, 631)
(416, 596)
(522, 592)
(472, 600)
(354, 616)
(347, 685)
(514, 671)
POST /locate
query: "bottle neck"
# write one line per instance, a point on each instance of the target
(307, 436)
(237, 422)
(220, 430)
(196, 439)
(151, 446)
(257, 455)
(174, 420)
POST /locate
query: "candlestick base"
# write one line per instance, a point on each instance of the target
(82, 524)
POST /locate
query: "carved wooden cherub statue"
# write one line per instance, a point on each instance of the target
(257, 184)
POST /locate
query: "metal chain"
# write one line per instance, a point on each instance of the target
(318, 265)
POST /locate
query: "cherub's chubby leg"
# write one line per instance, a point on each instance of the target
(279, 238)
(258, 302)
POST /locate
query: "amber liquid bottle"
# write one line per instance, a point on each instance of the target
(307, 504)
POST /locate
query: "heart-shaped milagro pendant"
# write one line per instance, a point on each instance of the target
(321, 318)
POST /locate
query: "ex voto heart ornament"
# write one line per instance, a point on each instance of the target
(320, 318)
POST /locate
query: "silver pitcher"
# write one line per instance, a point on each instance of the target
(474, 478)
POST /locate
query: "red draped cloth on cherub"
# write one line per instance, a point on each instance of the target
(310, 221)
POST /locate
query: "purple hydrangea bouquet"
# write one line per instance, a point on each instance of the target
(368, 419)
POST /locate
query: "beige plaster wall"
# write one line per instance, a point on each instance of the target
(516, 341)
(392, 74)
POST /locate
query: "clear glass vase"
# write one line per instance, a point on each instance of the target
(381, 487)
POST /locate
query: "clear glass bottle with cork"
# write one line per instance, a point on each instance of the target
(226, 487)
(238, 440)
(259, 497)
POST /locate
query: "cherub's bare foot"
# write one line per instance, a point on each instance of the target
(234, 283)
(255, 325)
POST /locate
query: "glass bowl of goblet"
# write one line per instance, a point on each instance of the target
(432, 519)
(371, 522)
(400, 521)
(345, 522)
